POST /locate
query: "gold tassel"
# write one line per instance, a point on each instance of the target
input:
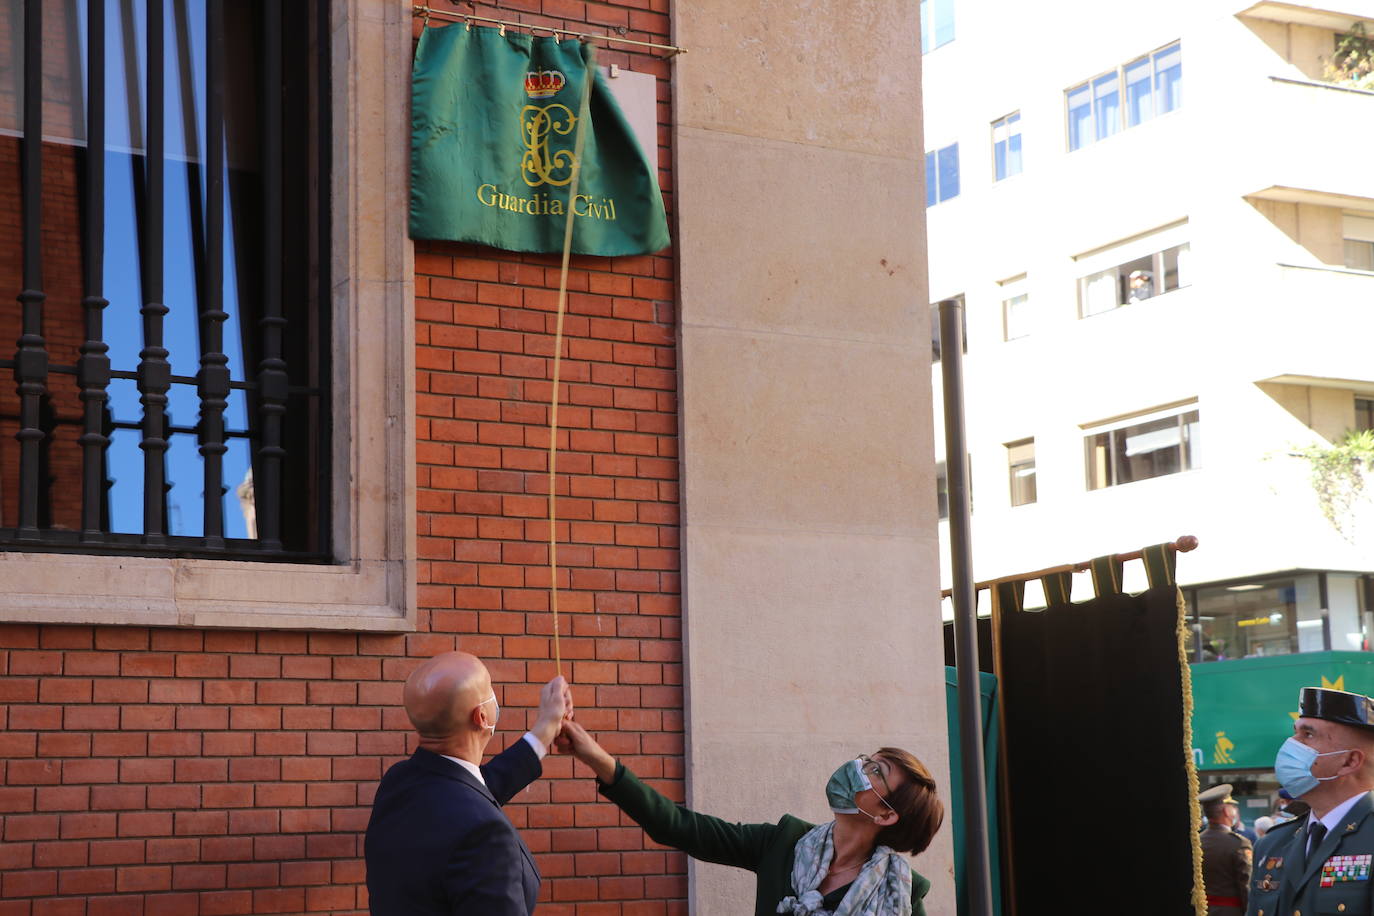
(1194, 822)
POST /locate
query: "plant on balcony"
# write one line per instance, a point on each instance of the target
(1338, 475)
(1353, 63)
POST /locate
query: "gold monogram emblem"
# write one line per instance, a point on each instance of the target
(538, 124)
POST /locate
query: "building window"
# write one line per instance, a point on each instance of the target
(1143, 447)
(1152, 85)
(1006, 146)
(1359, 242)
(935, 348)
(1364, 413)
(1021, 470)
(942, 174)
(1016, 317)
(937, 24)
(170, 391)
(942, 489)
(1133, 281)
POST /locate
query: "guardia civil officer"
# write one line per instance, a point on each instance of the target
(1321, 862)
(1226, 854)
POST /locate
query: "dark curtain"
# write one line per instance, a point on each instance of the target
(985, 660)
(1095, 723)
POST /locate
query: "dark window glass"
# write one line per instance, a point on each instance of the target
(949, 172)
(937, 24)
(1169, 78)
(942, 174)
(1106, 106)
(1021, 468)
(267, 314)
(1006, 146)
(1153, 85)
(1364, 413)
(1139, 107)
(942, 489)
(1080, 117)
(1154, 448)
(1133, 281)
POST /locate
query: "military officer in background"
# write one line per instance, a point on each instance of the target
(1226, 855)
(1321, 861)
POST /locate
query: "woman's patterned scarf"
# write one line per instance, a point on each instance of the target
(883, 887)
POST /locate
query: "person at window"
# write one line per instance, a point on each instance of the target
(1140, 285)
(438, 842)
(883, 805)
(1322, 861)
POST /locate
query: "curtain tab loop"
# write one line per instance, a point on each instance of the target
(1161, 563)
(1058, 588)
(1010, 596)
(1106, 575)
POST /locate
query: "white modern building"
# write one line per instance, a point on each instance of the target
(1160, 217)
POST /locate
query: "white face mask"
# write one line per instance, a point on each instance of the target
(496, 717)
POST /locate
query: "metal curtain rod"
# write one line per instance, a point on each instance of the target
(427, 12)
(1184, 544)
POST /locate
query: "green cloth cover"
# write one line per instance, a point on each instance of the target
(494, 122)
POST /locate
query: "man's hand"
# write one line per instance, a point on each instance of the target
(574, 739)
(555, 705)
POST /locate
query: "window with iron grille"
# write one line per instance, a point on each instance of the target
(165, 278)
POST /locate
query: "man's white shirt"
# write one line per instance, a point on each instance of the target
(539, 749)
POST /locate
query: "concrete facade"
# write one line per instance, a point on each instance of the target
(809, 555)
(1267, 337)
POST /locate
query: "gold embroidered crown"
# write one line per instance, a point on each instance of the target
(543, 83)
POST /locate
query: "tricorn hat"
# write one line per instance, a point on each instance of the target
(1336, 706)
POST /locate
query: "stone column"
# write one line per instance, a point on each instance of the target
(812, 625)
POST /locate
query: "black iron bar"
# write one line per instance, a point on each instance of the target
(213, 378)
(94, 365)
(272, 377)
(978, 873)
(154, 372)
(31, 358)
(318, 463)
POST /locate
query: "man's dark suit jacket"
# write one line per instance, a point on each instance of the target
(438, 842)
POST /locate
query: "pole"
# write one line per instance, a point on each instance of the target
(977, 869)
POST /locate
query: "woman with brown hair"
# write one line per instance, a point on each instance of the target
(884, 805)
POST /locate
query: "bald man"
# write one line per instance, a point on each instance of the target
(1322, 862)
(438, 842)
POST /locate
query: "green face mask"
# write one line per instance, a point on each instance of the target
(845, 783)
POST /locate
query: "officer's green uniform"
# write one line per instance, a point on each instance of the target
(1336, 878)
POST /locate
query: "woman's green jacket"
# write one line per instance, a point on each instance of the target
(764, 849)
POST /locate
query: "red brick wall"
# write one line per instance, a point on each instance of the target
(216, 772)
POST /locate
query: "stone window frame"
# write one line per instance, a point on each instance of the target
(371, 584)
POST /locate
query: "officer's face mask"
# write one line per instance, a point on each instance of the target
(496, 716)
(1293, 767)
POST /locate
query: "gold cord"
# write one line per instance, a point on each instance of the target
(588, 75)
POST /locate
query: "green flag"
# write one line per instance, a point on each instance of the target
(494, 123)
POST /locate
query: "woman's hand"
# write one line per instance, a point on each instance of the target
(574, 739)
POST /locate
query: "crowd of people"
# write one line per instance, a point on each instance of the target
(438, 842)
